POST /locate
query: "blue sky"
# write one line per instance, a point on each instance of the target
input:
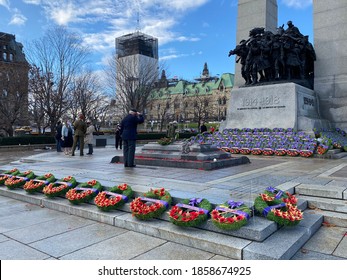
(190, 32)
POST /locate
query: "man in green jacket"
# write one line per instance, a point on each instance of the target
(80, 128)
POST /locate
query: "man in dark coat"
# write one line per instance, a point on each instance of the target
(128, 132)
(80, 127)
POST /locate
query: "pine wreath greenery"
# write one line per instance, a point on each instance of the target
(114, 198)
(48, 177)
(190, 212)
(13, 171)
(152, 205)
(231, 215)
(27, 174)
(278, 206)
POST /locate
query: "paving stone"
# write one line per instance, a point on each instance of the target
(312, 255)
(37, 216)
(13, 250)
(117, 248)
(326, 240)
(3, 238)
(215, 243)
(174, 251)
(74, 240)
(341, 250)
(46, 229)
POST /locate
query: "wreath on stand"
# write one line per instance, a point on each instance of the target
(152, 205)
(191, 212)
(114, 198)
(59, 188)
(84, 192)
(279, 207)
(231, 215)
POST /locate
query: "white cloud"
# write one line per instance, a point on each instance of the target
(33, 2)
(5, 3)
(297, 3)
(17, 18)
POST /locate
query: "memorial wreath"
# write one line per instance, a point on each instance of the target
(27, 174)
(13, 171)
(84, 192)
(231, 215)
(59, 188)
(191, 212)
(15, 182)
(34, 185)
(152, 205)
(114, 198)
(279, 207)
(49, 177)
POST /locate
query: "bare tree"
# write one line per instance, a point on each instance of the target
(131, 79)
(87, 98)
(165, 110)
(204, 107)
(58, 56)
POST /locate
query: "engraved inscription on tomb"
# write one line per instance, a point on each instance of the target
(263, 102)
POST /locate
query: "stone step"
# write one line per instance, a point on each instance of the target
(267, 240)
(285, 242)
(336, 192)
(328, 204)
(331, 218)
(332, 154)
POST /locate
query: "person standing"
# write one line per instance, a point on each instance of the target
(80, 127)
(118, 138)
(128, 133)
(67, 137)
(203, 128)
(58, 135)
(89, 137)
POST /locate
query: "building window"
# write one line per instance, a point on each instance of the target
(11, 57)
(4, 56)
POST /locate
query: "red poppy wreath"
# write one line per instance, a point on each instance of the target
(152, 205)
(191, 212)
(113, 198)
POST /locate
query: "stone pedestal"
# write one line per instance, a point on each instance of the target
(286, 105)
(198, 156)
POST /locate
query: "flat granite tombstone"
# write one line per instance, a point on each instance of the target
(198, 156)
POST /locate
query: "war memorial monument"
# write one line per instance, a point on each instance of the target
(298, 87)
